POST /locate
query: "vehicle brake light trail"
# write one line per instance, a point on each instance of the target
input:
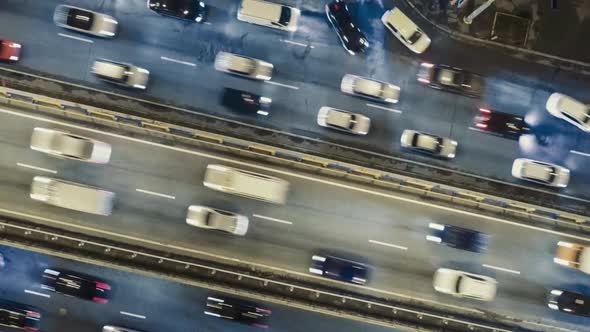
(37, 168)
(132, 314)
(280, 221)
(283, 85)
(178, 61)
(155, 193)
(391, 245)
(385, 108)
(76, 38)
(500, 268)
(37, 293)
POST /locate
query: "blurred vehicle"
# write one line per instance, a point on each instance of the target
(570, 302)
(428, 143)
(573, 255)
(339, 269)
(85, 21)
(76, 285)
(112, 328)
(540, 172)
(19, 316)
(217, 219)
(451, 79)
(463, 284)
(246, 102)
(9, 50)
(501, 124)
(245, 183)
(238, 310)
(351, 37)
(189, 10)
(66, 145)
(458, 237)
(570, 110)
(269, 14)
(369, 88)
(405, 30)
(352, 123)
(120, 73)
(243, 66)
(71, 195)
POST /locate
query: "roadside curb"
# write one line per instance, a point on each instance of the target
(525, 54)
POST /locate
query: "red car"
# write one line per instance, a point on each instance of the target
(9, 50)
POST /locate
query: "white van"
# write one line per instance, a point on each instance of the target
(405, 30)
(245, 183)
(71, 195)
(269, 14)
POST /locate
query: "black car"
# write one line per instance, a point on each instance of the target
(19, 316)
(246, 102)
(75, 284)
(570, 302)
(190, 10)
(339, 269)
(237, 310)
(458, 237)
(451, 79)
(500, 124)
(350, 35)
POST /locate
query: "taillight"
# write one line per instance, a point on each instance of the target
(99, 300)
(33, 314)
(103, 285)
(484, 110)
(481, 125)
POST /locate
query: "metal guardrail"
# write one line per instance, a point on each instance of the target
(256, 284)
(525, 212)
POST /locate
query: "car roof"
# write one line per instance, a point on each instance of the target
(110, 69)
(574, 108)
(368, 87)
(339, 118)
(403, 24)
(426, 141)
(538, 171)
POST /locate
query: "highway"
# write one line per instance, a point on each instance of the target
(321, 214)
(308, 67)
(140, 302)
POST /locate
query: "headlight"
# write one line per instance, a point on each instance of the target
(141, 70)
(556, 292)
(139, 86)
(390, 100)
(198, 19)
(202, 4)
(106, 33)
(451, 155)
(13, 58)
(15, 45)
(553, 306)
(263, 77)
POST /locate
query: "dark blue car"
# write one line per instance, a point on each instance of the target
(458, 237)
(339, 269)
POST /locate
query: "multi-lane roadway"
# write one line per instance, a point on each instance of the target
(155, 184)
(309, 65)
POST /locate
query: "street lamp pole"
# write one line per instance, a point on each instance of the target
(469, 19)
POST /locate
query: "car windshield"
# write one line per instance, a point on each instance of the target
(415, 37)
(80, 19)
(285, 17)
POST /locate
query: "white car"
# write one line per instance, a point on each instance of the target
(573, 255)
(405, 30)
(540, 172)
(428, 143)
(352, 123)
(120, 73)
(463, 284)
(85, 21)
(243, 66)
(369, 88)
(569, 109)
(65, 145)
(217, 219)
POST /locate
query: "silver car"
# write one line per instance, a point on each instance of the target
(121, 73)
(369, 88)
(428, 143)
(352, 123)
(243, 66)
(570, 110)
(66, 145)
(85, 21)
(217, 219)
(464, 284)
(540, 172)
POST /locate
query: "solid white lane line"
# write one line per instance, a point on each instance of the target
(283, 85)
(385, 108)
(37, 293)
(580, 153)
(273, 219)
(178, 61)
(296, 43)
(37, 168)
(131, 314)
(388, 245)
(76, 38)
(155, 193)
(500, 268)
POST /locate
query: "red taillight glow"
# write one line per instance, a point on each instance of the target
(99, 300)
(264, 310)
(484, 110)
(423, 80)
(260, 325)
(28, 328)
(481, 125)
(33, 314)
(103, 285)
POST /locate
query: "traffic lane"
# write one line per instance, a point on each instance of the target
(180, 304)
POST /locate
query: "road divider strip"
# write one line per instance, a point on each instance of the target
(155, 193)
(37, 168)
